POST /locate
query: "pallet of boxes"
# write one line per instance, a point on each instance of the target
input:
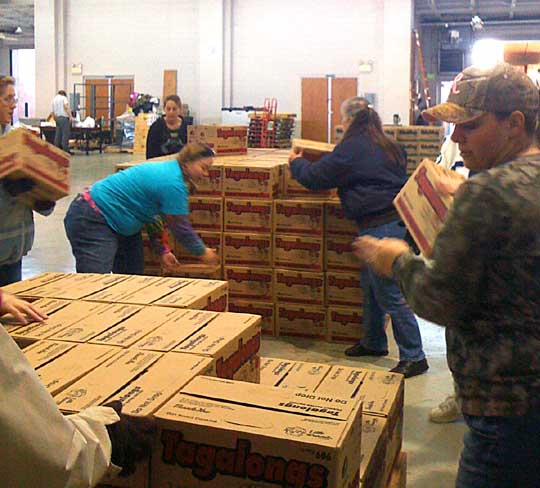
(167, 348)
(143, 121)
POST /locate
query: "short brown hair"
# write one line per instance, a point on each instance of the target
(5, 81)
(173, 98)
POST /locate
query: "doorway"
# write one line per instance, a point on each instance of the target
(23, 69)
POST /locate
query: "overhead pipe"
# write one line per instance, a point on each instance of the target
(460, 23)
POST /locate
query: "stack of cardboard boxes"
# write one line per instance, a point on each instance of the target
(142, 126)
(223, 139)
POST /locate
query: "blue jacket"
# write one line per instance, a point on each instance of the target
(367, 181)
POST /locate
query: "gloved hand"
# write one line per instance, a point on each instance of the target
(131, 439)
(16, 187)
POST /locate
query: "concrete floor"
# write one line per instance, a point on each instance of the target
(433, 449)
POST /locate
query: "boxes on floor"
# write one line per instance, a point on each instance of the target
(243, 249)
(273, 370)
(211, 239)
(299, 216)
(345, 324)
(211, 185)
(343, 289)
(336, 223)
(300, 320)
(219, 433)
(24, 155)
(252, 179)
(398, 478)
(206, 213)
(299, 252)
(338, 255)
(223, 139)
(20, 287)
(47, 305)
(250, 283)
(201, 271)
(266, 310)
(242, 215)
(297, 286)
(200, 295)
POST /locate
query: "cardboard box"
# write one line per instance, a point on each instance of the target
(273, 370)
(157, 289)
(199, 295)
(292, 188)
(42, 352)
(374, 445)
(131, 330)
(252, 179)
(119, 291)
(343, 289)
(342, 380)
(211, 185)
(407, 133)
(338, 255)
(96, 323)
(24, 155)
(345, 324)
(429, 149)
(253, 434)
(267, 311)
(247, 249)
(250, 283)
(422, 207)
(223, 139)
(248, 216)
(305, 376)
(299, 216)
(206, 213)
(105, 380)
(20, 287)
(178, 327)
(200, 271)
(74, 364)
(46, 305)
(212, 240)
(431, 133)
(296, 286)
(398, 477)
(336, 222)
(233, 340)
(299, 252)
(299, 320)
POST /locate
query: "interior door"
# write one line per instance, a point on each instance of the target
(97, 98)
(342, 89)
(122, 88)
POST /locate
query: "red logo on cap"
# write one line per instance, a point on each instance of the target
(457, 79)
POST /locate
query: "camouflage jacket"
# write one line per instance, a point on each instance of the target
(483, 284)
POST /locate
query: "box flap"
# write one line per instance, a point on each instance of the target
(342, 380)
(157, 290)
(305, 376)
(274, 369)
(25, 285)
(43, 352)
(380, 391)
(47, 305)
(117, 292)
(193, 292)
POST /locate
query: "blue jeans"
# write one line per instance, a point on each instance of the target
(98, 248)
(500, 452)
(382, 295)
(10, 273)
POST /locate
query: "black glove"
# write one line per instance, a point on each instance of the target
(42, 205)
(16, 187)
(131, 439)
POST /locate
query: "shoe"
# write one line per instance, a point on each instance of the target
(411, 368)
(446, 412)
(360, 350)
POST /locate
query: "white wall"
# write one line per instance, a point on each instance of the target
(274, 44)
(4, 60)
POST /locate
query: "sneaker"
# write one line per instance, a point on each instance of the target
(446, 412)
(360, 350)
(411, 368)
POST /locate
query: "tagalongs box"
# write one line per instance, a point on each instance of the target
(222, 433)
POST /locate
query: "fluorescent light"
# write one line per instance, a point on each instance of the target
(487, 53)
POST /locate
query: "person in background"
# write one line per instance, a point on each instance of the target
(481, 280)
(369, 169)
(103, 223)
(164, 135)
(17, 218)
(63, 119)
(42, 447)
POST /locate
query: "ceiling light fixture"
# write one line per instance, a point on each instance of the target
(18, 30)
(477, 23)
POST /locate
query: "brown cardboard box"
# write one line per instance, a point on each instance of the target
(343, 288)
(292, 188)
(75, 363)
(412, 148)
(156, 290)
(336, 222)
(345, 324)
(247, 249)
(211, 185)
(299, 216)
(131, 330)
(24, 155)
(47, 305)
(255, 434)
(299, 252)
(200, 271)
(212, 240)
(248, 215)
(105, 380)
(407, 133)
(199, 295)
(20, 287)
(374, 445)
(119, 291)
(233, 340)
(267, 311)
(96, 323)
(431, 133)
(339, 256)
(422, 207)
(223, 139)
(250, 283)
(429, 149)
(178, 327)
(252, 179)
(42, 352)
(305, 376)
(298, 286)
(300, 320)
(273, 370)
(398, 478)
(206, 213)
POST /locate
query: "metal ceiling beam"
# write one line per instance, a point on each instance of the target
(512, 9)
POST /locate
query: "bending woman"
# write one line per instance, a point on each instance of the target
(103, 223)
(369, 169)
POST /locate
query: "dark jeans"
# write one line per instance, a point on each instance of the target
(10, 273)
(382, 295)
(501, 452)
(98, 248)
(62, 132)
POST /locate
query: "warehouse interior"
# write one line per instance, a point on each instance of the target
(403, 56)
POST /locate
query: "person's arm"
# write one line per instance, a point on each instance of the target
(68, 110)
(153, 141)
(182, 230)
(331, 171)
